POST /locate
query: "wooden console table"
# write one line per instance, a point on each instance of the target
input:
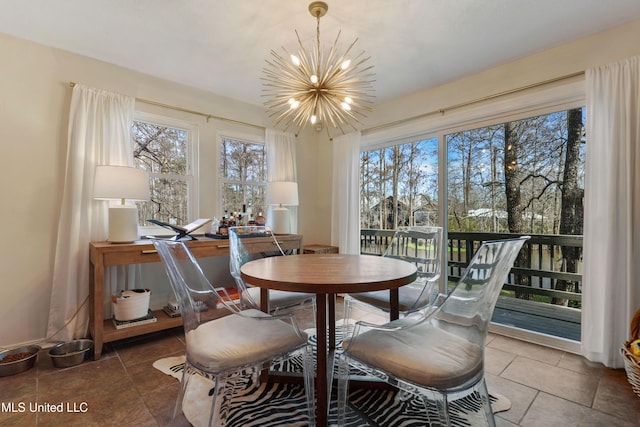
(105, 254)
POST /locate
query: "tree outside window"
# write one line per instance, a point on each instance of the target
(399, 185)
(523, 176)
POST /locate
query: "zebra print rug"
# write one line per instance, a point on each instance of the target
(279, 404)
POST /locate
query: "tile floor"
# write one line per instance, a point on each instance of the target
(546, 387)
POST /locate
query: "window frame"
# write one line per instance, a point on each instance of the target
(192, 177)
(402, 141)
(242, 137)
(514, 106)
(491, 120)
(559, 96)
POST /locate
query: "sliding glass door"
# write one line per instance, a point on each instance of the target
(523, 177)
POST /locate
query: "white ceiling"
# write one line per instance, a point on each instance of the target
(221, 45)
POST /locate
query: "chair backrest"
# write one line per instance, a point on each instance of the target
(420, 245)
(242, 251)
(468, 308)
(197, 298)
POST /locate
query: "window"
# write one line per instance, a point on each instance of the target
(527, 177)
(243, 176)
(399, 185)
(523, 176)
(165, 149)
(514, 164)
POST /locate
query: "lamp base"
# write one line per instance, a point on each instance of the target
(123, 224)
(280, 221)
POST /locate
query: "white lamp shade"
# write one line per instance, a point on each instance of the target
(282, 193)
(120, 182)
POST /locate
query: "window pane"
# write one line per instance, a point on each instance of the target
(160, 149)
(237, 196)
(510, 177)
(243, 161)
(399, 185)
(168, 201)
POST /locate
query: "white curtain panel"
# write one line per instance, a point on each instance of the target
(99, 132)
(611, 272)
(281, 166)
(345, 211)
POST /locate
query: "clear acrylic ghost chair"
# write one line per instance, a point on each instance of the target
(438, 357)
(223, 341)
(420, 245)
(242, 250)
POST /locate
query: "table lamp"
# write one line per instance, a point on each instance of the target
(281, 194)
(123, 183)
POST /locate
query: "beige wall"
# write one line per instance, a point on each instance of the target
(34, 108)
(588, 52)
(34, 102)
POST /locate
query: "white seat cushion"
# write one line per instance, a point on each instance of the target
(409, 296)
(423, 355)
(236, 340)
(277, 299)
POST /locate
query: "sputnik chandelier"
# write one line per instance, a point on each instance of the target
(318, 87)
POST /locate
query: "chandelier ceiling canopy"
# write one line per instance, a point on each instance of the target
(316, 86)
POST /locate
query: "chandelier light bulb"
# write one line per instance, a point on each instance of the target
(318, 85)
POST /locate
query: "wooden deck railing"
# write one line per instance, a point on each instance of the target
(533, 279)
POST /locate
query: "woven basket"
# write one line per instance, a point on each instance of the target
(631, 362)
(632, 366)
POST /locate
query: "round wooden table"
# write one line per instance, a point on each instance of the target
(327, 275)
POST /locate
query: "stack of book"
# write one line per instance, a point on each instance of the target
(229, 294)
(149, 318)
(170, 311)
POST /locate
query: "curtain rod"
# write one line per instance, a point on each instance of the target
(185, 110)
(474, 101)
